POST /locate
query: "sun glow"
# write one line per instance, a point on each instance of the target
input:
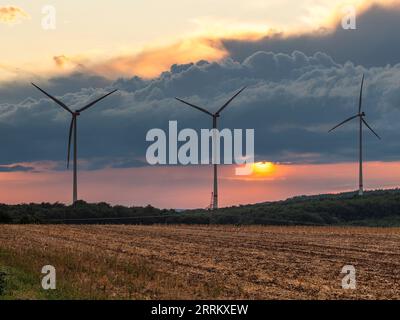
(264, 168)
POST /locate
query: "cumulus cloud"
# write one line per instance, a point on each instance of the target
(16, 91)
(373, 43)
(12, 15)
(292, 101)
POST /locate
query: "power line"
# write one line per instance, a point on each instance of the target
(111, 218)
(298, 223)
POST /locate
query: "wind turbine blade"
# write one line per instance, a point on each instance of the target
(342, 123)
(361, 93)
(71, 127)
(230, 100)
(53, 98)
(368, 126)
(95, 101)
(196, 107)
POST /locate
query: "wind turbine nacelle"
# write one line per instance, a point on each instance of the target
(77, 113)
(362, 114)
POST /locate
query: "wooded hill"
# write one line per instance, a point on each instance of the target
(375, 208)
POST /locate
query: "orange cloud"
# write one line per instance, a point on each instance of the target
(64, 62)
(151, 62)
(12, 15)
(60, 61)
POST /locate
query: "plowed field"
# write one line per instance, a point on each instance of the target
(202, 262)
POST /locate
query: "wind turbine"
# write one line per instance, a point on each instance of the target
(73, 132)
(215, 117)
(361, 116)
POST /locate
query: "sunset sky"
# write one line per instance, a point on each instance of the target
(302, 70)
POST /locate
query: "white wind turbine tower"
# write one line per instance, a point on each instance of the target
(215, 117)
(361, 116)
(73, 132)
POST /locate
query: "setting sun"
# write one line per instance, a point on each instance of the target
(264, 168)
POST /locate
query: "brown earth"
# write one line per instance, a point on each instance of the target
(207, 262)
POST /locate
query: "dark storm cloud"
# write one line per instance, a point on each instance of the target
(375, 42)
(13, 91)
(291, 102)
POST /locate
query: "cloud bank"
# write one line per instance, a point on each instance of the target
(292, 101)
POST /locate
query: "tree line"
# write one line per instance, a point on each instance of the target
(375, 208)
